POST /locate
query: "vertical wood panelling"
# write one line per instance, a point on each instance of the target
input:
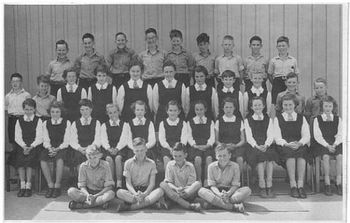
(314, 32)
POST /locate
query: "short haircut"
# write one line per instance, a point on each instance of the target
(321, 80)
(288, 97)
(221, 147)
(85, 102)
(94, 151)
(120, 33)
(29, 102)
(202, 38)
(255, 98)
(111, 105)
(228, 73)
(88, 35)
(169, 63)
(174, 103)
(229, 100)
(101, 68)
(201, 69)
(329, 99)
(200, 102)
(283, 39)
(72, 69)
(138, 141)
(255, 38)
(16, 75)
(175, 33)
(180, 147)
(151, 30)
(139, 102)
(136, 62)
(43, 79)
(62, 42)
(228, 37)
(291, 75)
(59, 105)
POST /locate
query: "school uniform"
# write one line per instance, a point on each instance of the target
(116, 135)
(82, 135)
(153, 65)
(70, 95)
(171, 132)
(207, 61)
(230, 132)
(299, 108)
(28, 132)
(234, 93)
(255, 65)
(233, 63)
(43, 104)
(256, 92)
(204, 93)
(130, 92)
(259, 131)
(56, 134)
(327, 132)
(201, 132)
(163, 92)
(55, 71)
(101, 95)
(289, 129)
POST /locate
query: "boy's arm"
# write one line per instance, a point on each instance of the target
(169, 178)
(127, 175)
(77, 63)
(216, 67)
(108, 184)
(184, 134)
(109, 59)
(120, 98)
(152, 180)
(82, 180)
(151, 136)
(296, 68)
(240, 68)
(235, 181)
(162, 138)
(212, 182)
(18, 135)
(7, 102)
(38, 134)
(271, 70)
(192, 176)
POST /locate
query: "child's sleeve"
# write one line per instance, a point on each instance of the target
(215, 103)
(296, 68)
(89, 94)
(124, 138)
(338, 136)
(153, 169)
(211, 178)
(241, 106)
(109, 182)
(245, 104)
(162, 138)
(169, 175)
(83, 93)
(120, 97)
(104, 137)
(216, 66)
(39, 134)
(151, 136)
(74, 143)
(184, 98)
(278, 134)
(126, 172)
(318, 134)
(184, 134)
(49, 69)
(211, 139)
(109, 59)
(47, 142)
(191, 141)
(7, 102)
(268, 103)
(269, 139)
(150, 97)
(236, 176)
(271, 68)
(82, 177)
(77, 63)
(305, 132)
(114, 95)
(18, 135)
(191, 176)
(66, 138)
(59, 95)
(97, 140)
(155, 98)
(249, 134)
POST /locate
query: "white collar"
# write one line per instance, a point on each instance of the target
(196, 119)
(166, 82)
(83, 119)
(256, 117)
(139, 83)
(173, 122)
(227, 119)
(197, 87)
(30, 118)
(136, 122)
(285, 115)
(103, 86)
(75, 86)
(58, 121)
(257, 91)
(324, 116)
(111, 122)
(225, 89)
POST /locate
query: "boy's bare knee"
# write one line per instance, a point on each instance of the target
(163, 185)
(197, 160)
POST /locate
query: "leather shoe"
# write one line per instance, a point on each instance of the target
(21, 193)
(270, 193)
(28, 193)
(339, 189)
(56, 192)
(327, 190)
(294, 192)
(302, 193)
(49, 193)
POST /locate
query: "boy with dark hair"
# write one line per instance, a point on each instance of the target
(43, 98)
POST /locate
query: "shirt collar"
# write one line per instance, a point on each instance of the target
(166, 83)
(75, 86)
(255, 58)
(42, 97)
(19, 92)
(131, 83)
(227, 119)
(149, 52)
(324, 116)
(94, 168)
(83, 119)
(216, 163)
(177, 53)
(280, 58)
(103, 86)
(255, 116)
(31, 118)
(204, 86)
(196, 119)
(173, 122)
(230, 56)
(257, 91)
(93, 53)
(63, 60)
(185, 164)
(58, 121)
(201, 54)
(111, 122)
(285, 115)
(136, 121)
(123, 50)
(225, 89)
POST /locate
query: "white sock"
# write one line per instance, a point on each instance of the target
(28, 185)
(23, 185)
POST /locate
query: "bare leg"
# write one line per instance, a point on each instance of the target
(291, 171)
(29, 175)
(261, 174)
(166, 161)
(59, 172)
(173, 195)
(301, 171)
(126, 196)
(240, 195)
(47, 173)
(326, 169)
(111, 164)
(100, 200)
(22, 176)
(269, 173)
(119, 170)
(339, 168)
(198, 167)
(76, 195)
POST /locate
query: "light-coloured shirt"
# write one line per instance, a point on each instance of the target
(139, 82)
(74, 142)
(162, 133)
(96, 178)
(279, 67)
(305, 131)
(233, 63)
(43, 104)
(151, 141)
(14, 101)
(249, 133)
(57, 67)
(207, 61)
(46, 136)
(228, 119)
(196, 121)
(118, 60)
(318, 133)
(75, 86)
(153, 63)
(183, 60)
(38, 132)
(255, 65)
(87, 64)
(227, 177)
(139, 172)
(124, 137)
(104, 86)
(301, 101)
(180, 176)
(258, 92)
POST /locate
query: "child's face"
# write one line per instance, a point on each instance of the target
(292, 83)
(29, 110)
(288, 106)
(16, 83)
(199, 78)
(176, 42)
(43, 88)
(71, 77)
(101, 77)
(223, 157)
(179, 156)
(169, 72)
(257, 106)
(320, 88)
(55, 113)
(227, 45)
(327, 107)
(203, 47)
(88, 44)
(173, 112)
(85, 111)
(228, 81)
(61, 51)
(199, 109)
(257, 80)
(140, 151)
(151, 39)
(255, 46)
(140, 111)
(94, 160)
(282, 48)
(135, 72)
(229, 108)
(113, 113)
(121, 41)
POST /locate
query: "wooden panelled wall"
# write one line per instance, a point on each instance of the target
(315, 33)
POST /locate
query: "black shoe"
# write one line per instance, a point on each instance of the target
(28, 193)
(339, 189)
(270, 193)
(105, 206)
(263, 193)
(294, 192)
(56, 192)
(21, 193)
(302, 193)
(327, 190)
(49, 192)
